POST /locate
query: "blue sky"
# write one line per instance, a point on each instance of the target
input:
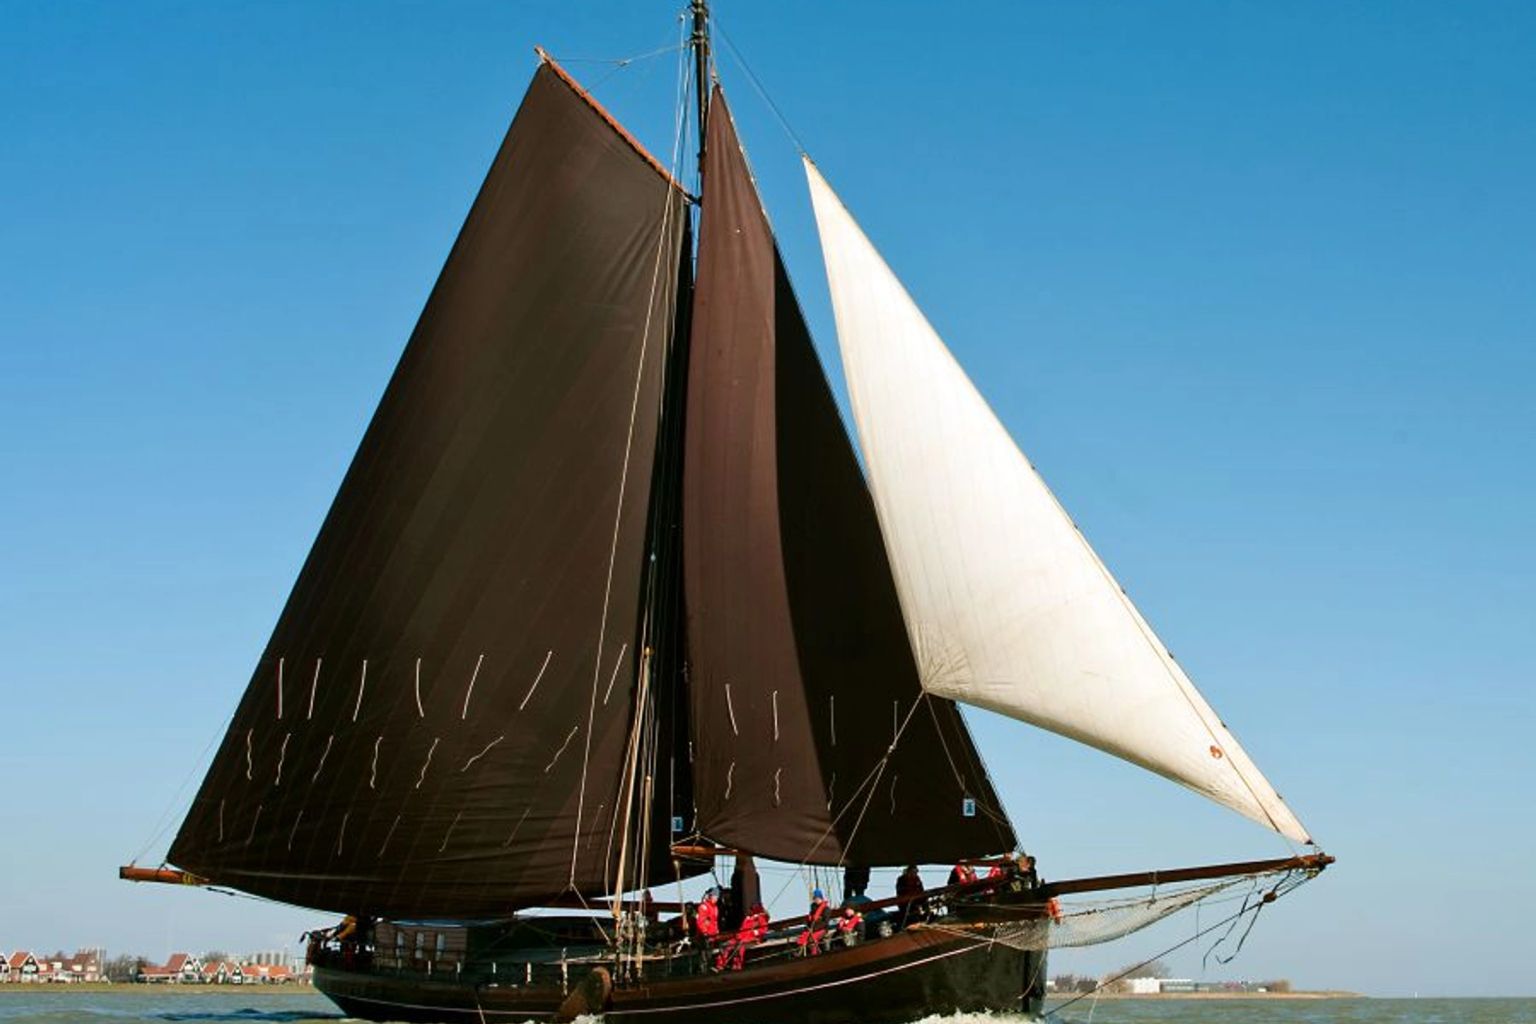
(1251, 284)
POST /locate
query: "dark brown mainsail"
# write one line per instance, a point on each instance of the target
(800, 670)
(438, 723)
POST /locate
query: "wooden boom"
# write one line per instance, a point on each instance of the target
(1098, 883)
(167, 876)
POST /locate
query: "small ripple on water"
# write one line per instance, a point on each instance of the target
(248, 1014)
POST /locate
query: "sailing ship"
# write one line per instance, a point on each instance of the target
(606, 599)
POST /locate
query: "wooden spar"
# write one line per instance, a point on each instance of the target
(1310, 862)
(571, 901)
(167, 876)
(700, 44)
(612, 122)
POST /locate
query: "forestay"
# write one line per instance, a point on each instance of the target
(1006, 605)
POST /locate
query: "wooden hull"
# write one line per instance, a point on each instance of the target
(914, 973)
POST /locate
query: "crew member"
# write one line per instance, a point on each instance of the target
(855, 880)
(706, 920)
(753, 927)
(348, 935)
(745, 892)
(1027, 873)
(962, 874)
(850, 925)
(815, 925)
(909, 887)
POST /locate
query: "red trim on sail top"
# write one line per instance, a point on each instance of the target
(610, 120)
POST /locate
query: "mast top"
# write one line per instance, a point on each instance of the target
(700, 44)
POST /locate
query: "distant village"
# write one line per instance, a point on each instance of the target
(92, 965)
(1153, 980)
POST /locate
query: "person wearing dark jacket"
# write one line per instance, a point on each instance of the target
(909, 886)
(745, 892)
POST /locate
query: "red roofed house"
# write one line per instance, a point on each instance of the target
(225, 972)
(270, 974)
(181, 968)
(85, 965)
(24, 967)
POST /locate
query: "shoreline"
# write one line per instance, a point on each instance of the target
(133, 987)
(1150, 997)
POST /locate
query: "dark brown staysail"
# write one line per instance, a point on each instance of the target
(801, 673)
(437, 725)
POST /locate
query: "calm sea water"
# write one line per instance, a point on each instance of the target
(254, 1007)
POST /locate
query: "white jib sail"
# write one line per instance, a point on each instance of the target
(1007, 606)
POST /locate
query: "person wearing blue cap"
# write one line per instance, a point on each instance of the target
(815, 925)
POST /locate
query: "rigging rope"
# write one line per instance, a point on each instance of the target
(644, 719)
(602, 633)
(757, 85)
(1287, 884)
(198, 766)
(870, 782)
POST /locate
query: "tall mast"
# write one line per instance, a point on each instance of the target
(660, 662)
(700, 43)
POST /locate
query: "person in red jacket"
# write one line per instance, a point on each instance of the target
(753, 927)
(815, 925)
(850, 925)
(706, 919)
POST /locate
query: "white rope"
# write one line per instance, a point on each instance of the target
(389, 835)
(313, 686)
(529, 695)
(613, 552)
(282, 755)
(613, 677)
(373, 769)
(463, 714)
(323, 755)
(430, 751)
(361, 686)
(634, 407)
(870, 783)
(483, 752)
